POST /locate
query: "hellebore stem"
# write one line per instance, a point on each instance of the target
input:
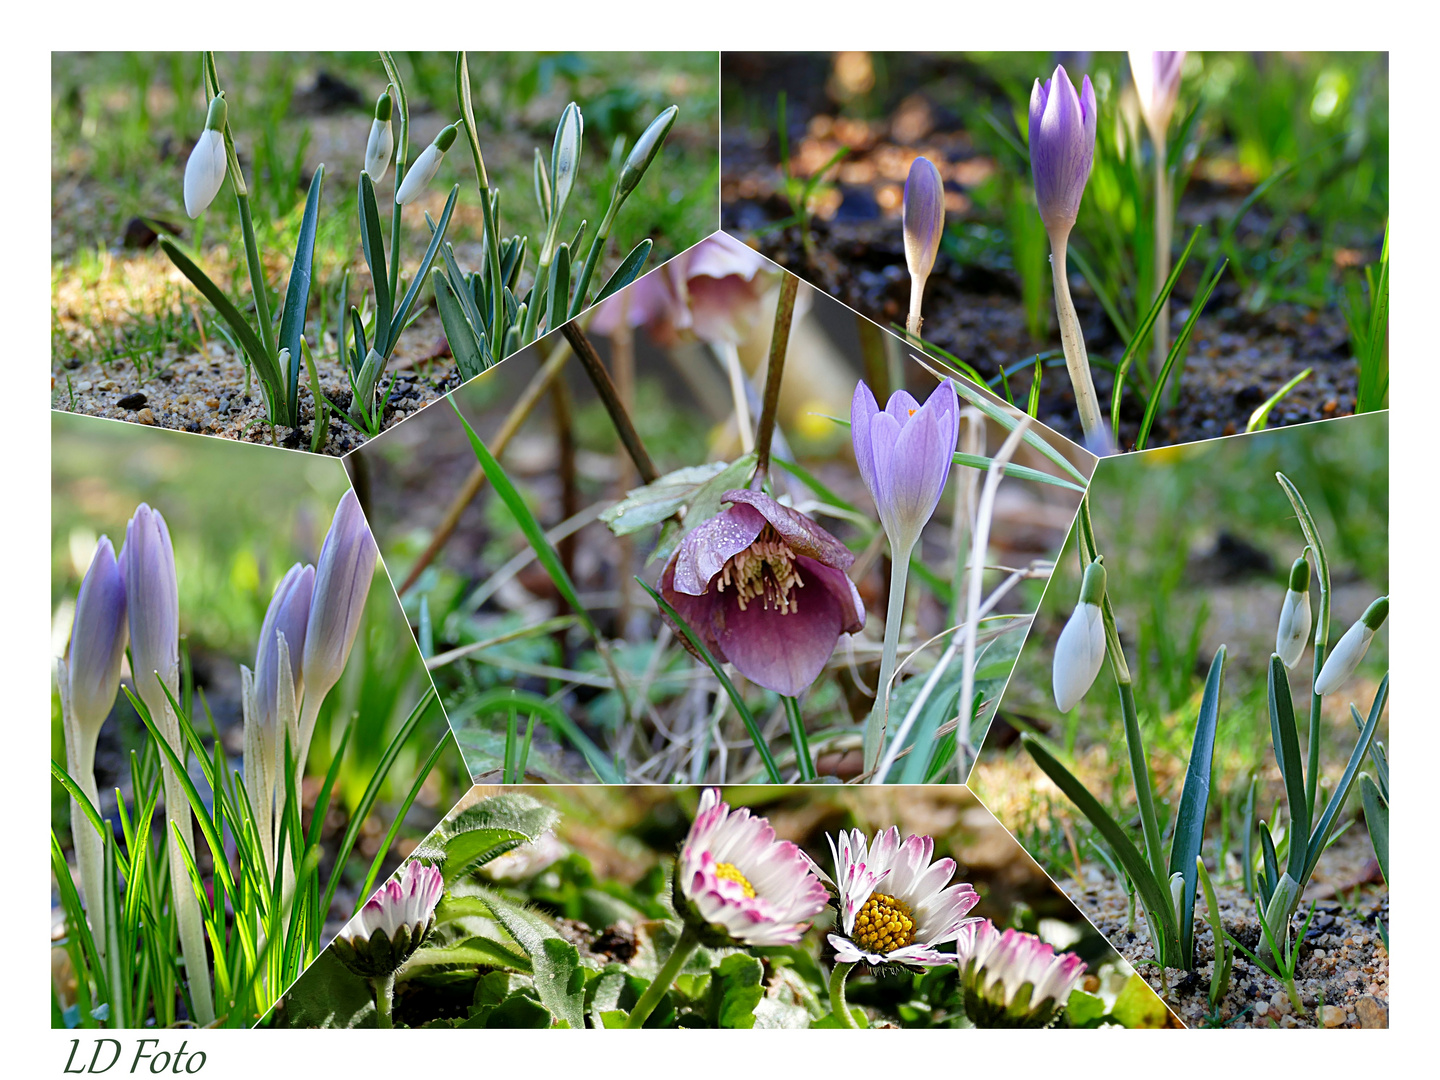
(610, 398)
(917, 292)
(779, 345)
(664, 979)
(384, 988)
(874, 738)
(1086, 401)
(1163, 224)
(803, 761)
(838, 1007)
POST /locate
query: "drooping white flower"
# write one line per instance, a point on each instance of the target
(895, 906)
(736, 883)
(1293, 630)
(426, 166)
(381, 143)
(996, 968)
(1081, 649)
(205, 170)
(1351, 648)
(393, 923)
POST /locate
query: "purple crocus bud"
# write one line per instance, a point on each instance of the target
(924, 216)
(342, 581)
(152, 601)
(288, 614)
(1157, 85)
(765, 588)
(904, 454)
(1062, 148)
(97, 641)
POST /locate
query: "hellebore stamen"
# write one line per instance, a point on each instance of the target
(765, 570)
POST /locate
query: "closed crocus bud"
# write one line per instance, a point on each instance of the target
(97, 641)
(644, 151)
(205, 171)
(1081, 648)
(342, 581)
(1351, 648)
(426, 166)
(152, 602)
(288, 615)
(924, 216)
(1157, 85)
(1294, 629)
(1062, 148)
(392, 924)
(382, 141)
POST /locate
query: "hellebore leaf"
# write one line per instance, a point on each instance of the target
(653, 503)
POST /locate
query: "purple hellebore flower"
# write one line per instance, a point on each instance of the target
(152, 601)
(97, 640)
(1062, 147)
(342, 581)
(924, 216)
(782, 599)
(288, 614)
(904, 454)
(1157, 85)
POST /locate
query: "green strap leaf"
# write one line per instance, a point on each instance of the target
(1194, 802)
(402, 313)
(372, 240)
(629, 269)
(1377, 821)
(297, 291)
(558, 298)
(1019, 472)
(1321, 835)
(462, 336)
(1287, 752)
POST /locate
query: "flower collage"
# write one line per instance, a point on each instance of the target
(850, 540)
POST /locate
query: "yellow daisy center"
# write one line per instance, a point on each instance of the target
(764, 571)
(884, 925)
(731, 872)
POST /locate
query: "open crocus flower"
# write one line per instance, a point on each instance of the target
(1062, 148)
(765, 589)
(1013, 979)
(392, 924)
(904, 454)
(895, 906)
(735, 883)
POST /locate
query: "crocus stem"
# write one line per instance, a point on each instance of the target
(1073, 342)
(384, 988)
(664, 979)
(838, 1007)
(894, 615)
(917, 292)
(1160, 335)
(775, 372)
(89, 844)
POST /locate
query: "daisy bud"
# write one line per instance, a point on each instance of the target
(382, 141)
(644, 151)
(392, 924)
(1081, 648)
(342, 581)
(152, 602)
(1350, 650)
(1062, 148)
(426, 166)
(924, 216)
(1294, 629)
(1013, 979)
(97, 642)
(205, 171)
(736, 884)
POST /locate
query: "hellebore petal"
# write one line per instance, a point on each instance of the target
(781, 600)
(1351, 648)
(342, 581)
(1062, 148)
(152, 603)
(204, 172)
(1157, 84)
(923, 215)
(904, 455)
(288, 614)
(97, 640)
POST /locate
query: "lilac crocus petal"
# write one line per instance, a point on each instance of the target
(288, 614)
(904, 455)
(923, 215)
(97, 640)
(1157, 84)
(1062, 148)
(152, 603)
(863, 410)
(342, 581)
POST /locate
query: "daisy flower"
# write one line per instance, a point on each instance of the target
(1013, 979)
(894, 903)
(392, 924)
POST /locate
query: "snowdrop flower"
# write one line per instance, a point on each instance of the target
(382, 141)
(392, 924)
(1013, 979)
(1351, 649)
(426, 166)
(736, 884)
(894, 903)
(1294, 628)
(205, 171)
(1081, 648)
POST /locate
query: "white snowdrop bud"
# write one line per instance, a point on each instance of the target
(205, 171)
(1294, 629)
(1081, 648)
(426, 166)
(1351, 648)
(382, 141)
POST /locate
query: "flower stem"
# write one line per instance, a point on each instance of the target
(384, 988)
(803, 761)
(917, 292)
(838, 1007)
(664, 979)
(1163, 222)
(775, 372)
(1076, 361)
(894, 615)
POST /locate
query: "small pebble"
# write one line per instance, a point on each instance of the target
(83, 386)
(145, 416)
(132, 402)
(183, 399)
(212, 403)
(1371, 1013)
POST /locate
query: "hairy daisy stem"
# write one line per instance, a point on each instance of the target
(1076, 360)
(894, 615)
(384, 988)
(838, 1007)
(663, 979)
